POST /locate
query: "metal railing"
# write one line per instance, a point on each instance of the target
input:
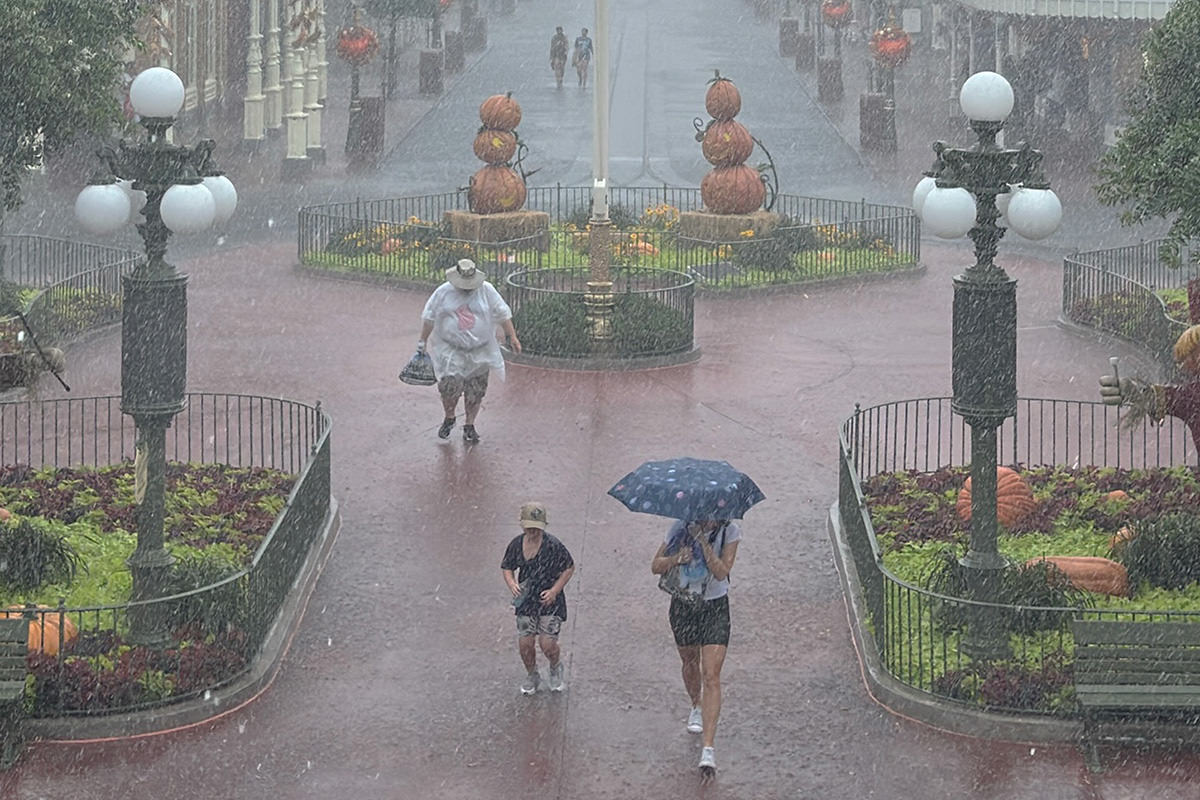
(230, 429)
(917, 631)
(78, 286)
(1116, 291)
(820, 239)
(653, 312)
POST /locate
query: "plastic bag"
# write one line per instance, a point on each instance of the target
(419, 370)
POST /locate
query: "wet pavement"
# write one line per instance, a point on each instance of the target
(401, 681)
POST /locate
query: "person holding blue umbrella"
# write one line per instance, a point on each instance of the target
(695, 558)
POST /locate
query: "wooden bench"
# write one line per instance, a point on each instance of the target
(1142, 676)
(14, 643)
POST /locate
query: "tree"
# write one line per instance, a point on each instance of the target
(1154, 169)
(61, 78)
(391, 11)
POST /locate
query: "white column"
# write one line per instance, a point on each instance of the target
(252, 106)
(297, 120)
(273, 92)
(322, 60)
(600, 115)
(312, 91)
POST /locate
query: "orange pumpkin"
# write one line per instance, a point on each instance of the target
(727, 143)
(5, 515)
(500, 112)
(1117, 496)
(1122, 537)
(1090, 573)
(44, 629)
(723, 100)
(495, 146)
(495, 189)
(732, 190)
(1014, 498)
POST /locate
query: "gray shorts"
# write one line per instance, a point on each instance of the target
(472, 389)
(543, 625)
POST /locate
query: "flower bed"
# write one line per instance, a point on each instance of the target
(795, 252)
(920, 534)
(216, 517)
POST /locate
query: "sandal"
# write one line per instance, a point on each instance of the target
(444, 431)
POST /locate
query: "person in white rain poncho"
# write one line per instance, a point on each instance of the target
(459, 323)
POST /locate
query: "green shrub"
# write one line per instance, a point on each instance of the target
(556, 325)
(553, 325)
(1035, 585)
(768, 253)
(446, 253)
(216, 610)
(33, 554)
(642, 326)
(1165, 553)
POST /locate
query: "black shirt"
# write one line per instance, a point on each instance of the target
(551, 560)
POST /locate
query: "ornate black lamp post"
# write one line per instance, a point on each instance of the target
(837, 15)
(182, 192)
(965, 192)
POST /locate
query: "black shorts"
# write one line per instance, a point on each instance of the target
(707, 624)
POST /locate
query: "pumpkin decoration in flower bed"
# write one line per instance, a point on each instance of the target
(1014, 498)
(495, 146)
(836, 13)
(495, 189)
(727, 143)
(1090, 573)
(357, 44)
(890, 45)
(723, 100)
(46, 629)
(733, 190)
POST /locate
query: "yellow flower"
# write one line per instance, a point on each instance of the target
(747, 234)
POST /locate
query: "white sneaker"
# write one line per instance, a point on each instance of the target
(707, 759)
(695, 723)
(555, 679)
(530, 684)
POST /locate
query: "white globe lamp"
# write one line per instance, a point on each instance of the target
(224, 196)
(188, 208)
(987, 97)
(156, 92)
(102, 208)
(1034, 213)
(922, 190)
(949, 213)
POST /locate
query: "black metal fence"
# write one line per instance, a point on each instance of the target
(820, 239)
(915, 640)
(235, 430)
(78, 284)
(1117, 291)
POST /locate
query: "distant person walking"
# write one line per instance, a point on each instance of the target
(582, 57)
(558, 54)
(704, 551)
(536, 567)
(461, 316)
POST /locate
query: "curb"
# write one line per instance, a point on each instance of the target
(905, 701)
(220, 702)
(601, 364)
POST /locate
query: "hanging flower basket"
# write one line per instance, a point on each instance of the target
(357, 44)
(890, 45)
(836, 13)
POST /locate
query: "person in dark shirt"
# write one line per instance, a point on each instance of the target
(536, 567)
(558, 54)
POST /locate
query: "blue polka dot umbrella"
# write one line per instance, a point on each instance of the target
(688, 488)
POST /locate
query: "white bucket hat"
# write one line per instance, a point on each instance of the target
(465, 275)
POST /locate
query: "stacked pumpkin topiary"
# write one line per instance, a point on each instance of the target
(730, 187)
(497, 187)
